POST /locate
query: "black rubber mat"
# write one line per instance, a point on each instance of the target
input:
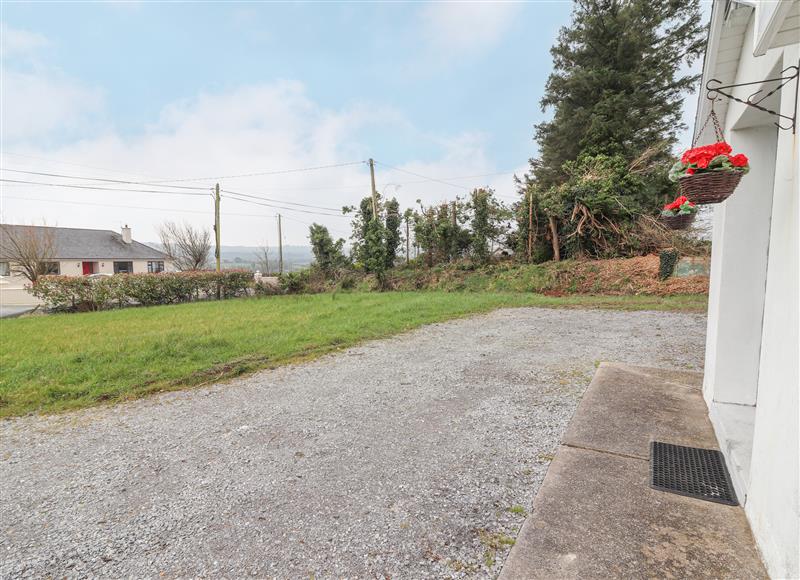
(689, 471)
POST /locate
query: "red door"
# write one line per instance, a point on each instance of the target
(87, 268)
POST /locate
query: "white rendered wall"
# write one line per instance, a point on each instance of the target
(752, 341)
(75, 267)
(773, 506)
(738, 270)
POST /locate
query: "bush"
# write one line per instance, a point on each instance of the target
(294, 282)
(75, 293)
(667, 261)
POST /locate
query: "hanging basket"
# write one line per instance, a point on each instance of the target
(677, 222)
(710, 187)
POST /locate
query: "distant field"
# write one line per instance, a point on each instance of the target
(68, 361)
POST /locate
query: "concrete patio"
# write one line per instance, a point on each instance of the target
(596, 516)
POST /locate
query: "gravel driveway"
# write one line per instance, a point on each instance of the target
(408, 457)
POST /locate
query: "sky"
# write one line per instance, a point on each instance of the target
(443, 96)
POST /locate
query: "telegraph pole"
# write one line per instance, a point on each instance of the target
(216, 227)
(280, 247)
(374, 191)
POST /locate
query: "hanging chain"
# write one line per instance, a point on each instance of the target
(712, 116)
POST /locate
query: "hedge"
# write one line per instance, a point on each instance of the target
(84, 293)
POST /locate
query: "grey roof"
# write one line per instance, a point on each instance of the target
(84, 244)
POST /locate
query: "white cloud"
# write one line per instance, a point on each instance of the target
(34, 105)
(250, 129)
(455, 28)
(255, 128)
(37, 100)
(16, 42)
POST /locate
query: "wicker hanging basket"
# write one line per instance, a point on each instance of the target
(710, 187)
(677, 222)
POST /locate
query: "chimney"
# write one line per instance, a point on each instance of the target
(126, 234)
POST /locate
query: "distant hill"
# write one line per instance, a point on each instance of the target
(294, 257)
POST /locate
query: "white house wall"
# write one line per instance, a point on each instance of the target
(773, 506)
(752, 340)
(75, 267)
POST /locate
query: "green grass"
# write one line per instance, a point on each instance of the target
(68, 361)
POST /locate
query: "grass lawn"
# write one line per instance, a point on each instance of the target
(68, 361)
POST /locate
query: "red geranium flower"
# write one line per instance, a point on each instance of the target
(679, 201)
(739, 160)
(702, 155)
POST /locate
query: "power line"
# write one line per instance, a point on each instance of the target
(450, 178)
(170, 209)
(283, 207)
(104, 179)
(280, 200)
(260, 173)
(425, 177)
(101, 188)
(49, 160)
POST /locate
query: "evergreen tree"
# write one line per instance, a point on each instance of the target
(487, 223)
(425, 234)
(328, 255)
(617, 84)
(393, 238)
(374, 251)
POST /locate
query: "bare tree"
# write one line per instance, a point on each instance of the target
(262, 259)
(187, 247)
(29, 249)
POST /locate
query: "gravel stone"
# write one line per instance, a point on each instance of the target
(398, 458)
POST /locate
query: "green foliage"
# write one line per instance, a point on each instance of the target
(393, 237)
(294, 282)
(374, 254)
(370, 239)
(617, 82)
(487, 223)
(328, 255)
(616, 91)
(425, 234)
(79, 293)
(440, 234)
(668, 259)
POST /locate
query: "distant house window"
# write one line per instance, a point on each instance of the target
(5, 269)
(52, 268)
(123, 267)
(155, 267)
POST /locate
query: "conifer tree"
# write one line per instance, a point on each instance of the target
(618, 81)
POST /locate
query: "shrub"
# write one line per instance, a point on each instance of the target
(78, 293)
(667, 261)
(294, 282)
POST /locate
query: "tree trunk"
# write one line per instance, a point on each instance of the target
(554, 236)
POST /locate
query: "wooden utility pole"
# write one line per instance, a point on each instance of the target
(217, 251)
(280, 247)
(374, 191)
(530, 225)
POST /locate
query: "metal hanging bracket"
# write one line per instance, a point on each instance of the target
(788, 75)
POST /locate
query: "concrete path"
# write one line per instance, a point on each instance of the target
(411, 457)
(596, 516)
